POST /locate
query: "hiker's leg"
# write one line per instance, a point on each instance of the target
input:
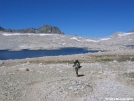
(76, 69)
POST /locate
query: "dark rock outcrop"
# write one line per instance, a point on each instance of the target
(1, 29)
(49, 29)
(43, 29)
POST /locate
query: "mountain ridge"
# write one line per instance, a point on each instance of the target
(43, 29)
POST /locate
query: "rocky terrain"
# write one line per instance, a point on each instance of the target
(18, 41)
(104, 75)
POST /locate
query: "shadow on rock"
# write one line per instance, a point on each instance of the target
(80, 75)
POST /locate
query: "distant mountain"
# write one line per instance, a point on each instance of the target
(42, 29)
(131, 30)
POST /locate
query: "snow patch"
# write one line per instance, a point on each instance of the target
(74, 38)
(45, 34)
(124, 34)
(103, 39)
(90, 40)
(8, 34)
(62, 44)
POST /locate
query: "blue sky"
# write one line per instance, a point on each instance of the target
(93, 18)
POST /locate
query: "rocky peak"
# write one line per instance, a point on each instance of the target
(116, 35)
(1, 29)
(42, 29)
(49, 29)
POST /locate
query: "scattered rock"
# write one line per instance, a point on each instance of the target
(1, 62)
(100, 72)
(114, 61)
(23, 69)
(47, 84)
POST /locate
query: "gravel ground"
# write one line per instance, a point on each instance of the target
(35, 80)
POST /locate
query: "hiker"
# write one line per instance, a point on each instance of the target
(77, 66)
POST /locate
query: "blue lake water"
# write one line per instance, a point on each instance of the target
(6, 54)
(130, 46)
